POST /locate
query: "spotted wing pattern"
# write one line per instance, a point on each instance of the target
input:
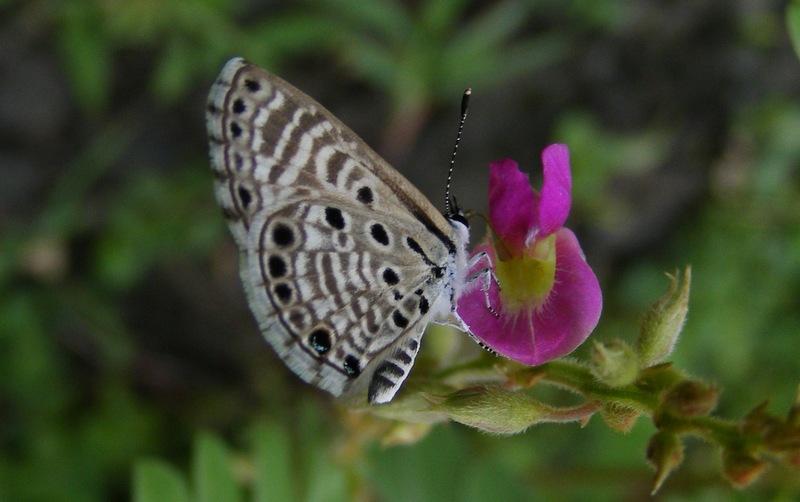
(344, 262)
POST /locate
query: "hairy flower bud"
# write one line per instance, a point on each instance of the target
(664, 453)
(691, 398)
(614, 363)
(492, 409)
(663, 322)
(619, 417)
(741, 468)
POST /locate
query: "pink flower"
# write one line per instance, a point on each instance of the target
(549, 300)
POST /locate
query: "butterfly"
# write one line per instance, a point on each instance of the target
(344, 262)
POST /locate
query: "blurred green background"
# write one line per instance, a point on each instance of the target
(124, 333)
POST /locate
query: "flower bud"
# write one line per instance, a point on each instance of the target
(492, 409)
(664, 453)
(741, 468)
(758, 421)
(614, 363)
(619, 417)
(691, 398)
(663, 322)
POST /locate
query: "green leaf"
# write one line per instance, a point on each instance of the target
(493, 27)
(441, 16)
(271, 455)
(383, 18)
(174, 71)
(483, 66)
(212, 471)
(327, 480)
(375, 63)
(157, 481)
(793, 24)
(87, 54)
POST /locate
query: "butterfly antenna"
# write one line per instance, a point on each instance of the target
(464, 104)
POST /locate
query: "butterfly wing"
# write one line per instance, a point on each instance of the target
(341, 257)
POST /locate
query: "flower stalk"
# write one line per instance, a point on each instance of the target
(493, 395)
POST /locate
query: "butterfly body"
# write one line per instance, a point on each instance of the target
(344, 261)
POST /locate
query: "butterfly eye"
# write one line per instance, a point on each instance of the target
(459, 217)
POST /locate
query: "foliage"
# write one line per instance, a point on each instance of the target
(265, 473)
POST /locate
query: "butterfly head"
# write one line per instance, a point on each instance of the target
(456, 214)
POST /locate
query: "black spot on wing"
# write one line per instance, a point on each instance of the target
(277, 266)
(364, 195)
(351, 366)
(320, 340)
(378, 232)
(424, 305)
(390, 277)
(283, 291)
(399, 320)
(282, 235)
(238, 106)
(334, 217)
(244, 196)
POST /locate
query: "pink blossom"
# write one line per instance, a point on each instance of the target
(549, 300)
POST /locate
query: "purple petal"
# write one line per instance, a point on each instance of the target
(556, 196)
(511, 203)
(572, 310)
(542, 332)
(482, 323)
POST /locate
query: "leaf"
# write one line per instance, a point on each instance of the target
(271, 452)
(173, 71)
(157, 481)
(87, 53)
(493, 27)
(212, 471)
(382, 17)
(793, 24)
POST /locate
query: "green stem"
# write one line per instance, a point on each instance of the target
(644, 395)
(575, 376)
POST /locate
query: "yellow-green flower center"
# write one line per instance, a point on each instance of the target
(526, 281)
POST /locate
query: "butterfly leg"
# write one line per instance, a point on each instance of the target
(487, 274)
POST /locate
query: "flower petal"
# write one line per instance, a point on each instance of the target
(542, 332)
(556, 197)
(572, 310)
(482, 323)
(512, 208)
